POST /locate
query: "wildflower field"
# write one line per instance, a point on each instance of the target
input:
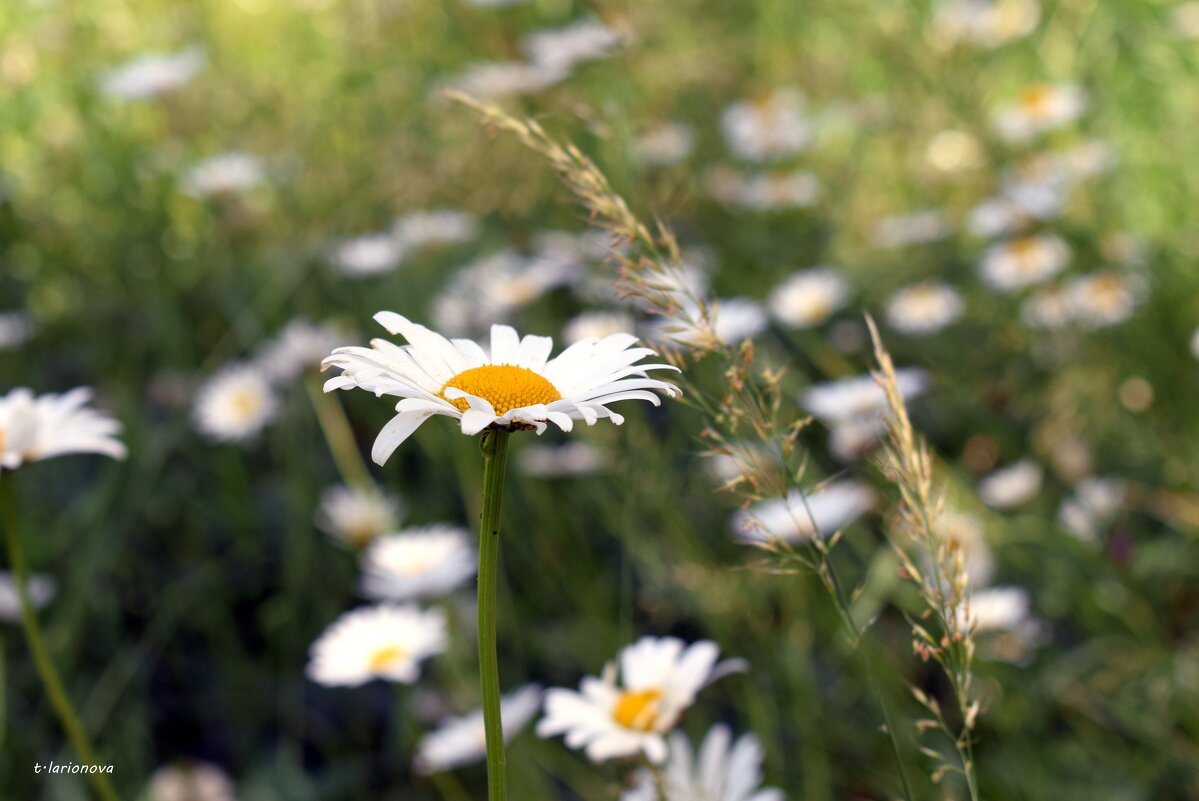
(537, 399)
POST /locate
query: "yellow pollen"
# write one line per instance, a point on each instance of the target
(246, 404)
(386, 658)
(505, 386)
(637, 709)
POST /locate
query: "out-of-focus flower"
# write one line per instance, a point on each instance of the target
(1089, 159)
(561, 49)
(377, 642)
(152, 75)
(832, 507)
(357, 516)
(952, 151)
(1018, 263)
(1185, 17)
(859, 396)
(1095, 503)
(190, 781)
(516, 385)
(809, 297)
(235, 404)
(916, 228)
(461, 741)
(421, 229)
(226, 174)
(488, 291)
(424, 562)
(924, 308)
(15, 329)
(964, 533)
(664, 145)
(1011, 486)
(33, 428)
(764, 191)
(1039, 108)
(1048, 308)
(1104, 298)
(658, 680)
(1195, 344)
(596, 324)
(575, 458)
(989, 23)
(42, 590)
(722, 770)
(495, 3)
(770, 126)
(299, 346)
(731, 320)
(370, 254)
(499, 80)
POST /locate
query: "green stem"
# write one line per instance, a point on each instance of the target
(495, 457)
(338, 435)
(46, 671)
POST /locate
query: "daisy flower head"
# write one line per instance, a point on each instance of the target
(859, 396)
(924, 308)
(914, 228)
(1018, 263)
(561, 49)
(225, 174)
(235, 404)
(1195, 343)
(377, 642)
(299, 346)
(576, 458)
(773, 191)
(729, 320)
(630, 708)
(41, 589)
(809, 297)
(190, 781)
(795, 518)
(1048, 308)
(722, 770)
(462, 741)
(664, 145)
(366, 255)
(964, 533)
(36, 427)
(499, 80)
(988, 23)
(514, 385)
(357, 516)
(421, 229)
(596, 324)
(1039, 108)
(1104, 298)
(1012, 486)
(423, 562)
(491, 289)
(15, 329)
(153, 75)
(770, 126)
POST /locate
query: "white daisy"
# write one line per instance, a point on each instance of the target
(461, 741)
(370, 254)
(576, 458)
(737, 462)
(33, 428)
(964, 533)
(596, 325)
(1185, 18)
(424, 562)
(1019, 263)
(770, 126)
(856, 437)
(491, 289)
(999, 608)
(731, 320)
(1095, 504)
(561, 49)
(420, 229)
(1089, 159)
(152, 75)
(1103, 298)
(809, 297)
(770, 191)
(226, 174)
(41, 589)
(190, 781)
(15, 329)
(504, 79)
(914, 228)
(833, 506)
(664, 145)
(952, 151)
(356, 516)
(924, 308)
(235, 404)
(859, 396)
(722, 770)
(1048, 308)
(377, 642)
(1011, 486)
(658, 680)
(1040, 108)
(1195, 343)
(298, 347)
(516, 385)
(989, 23)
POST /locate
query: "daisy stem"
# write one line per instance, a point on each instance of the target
(338, 435)
(46, 671)
(495, 457)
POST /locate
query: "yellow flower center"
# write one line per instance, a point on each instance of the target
(637, 709)
(386, 658)
(505, 386)
(246, 404)
(1036, 99)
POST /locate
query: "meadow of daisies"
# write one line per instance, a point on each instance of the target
(691, 401)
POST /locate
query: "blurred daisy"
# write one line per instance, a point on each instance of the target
(1018, 263)
(15, 329)
(997, 216)
(809, 297)
(856, 437)
(190, 781)
(235, 404)
(737, 462)
(576, 458)
(491, 289)
(226, 174)
(462, 741)
(370, 254)
(33, 428)
(658, 680)
(421, 229)
(859, 396)
(357, 516)
(41, 589)
(1095, 503)
(722, 770)
(377, 642)
(596, 325)
(152, 75)
(664, 145)
(495, 3)
(424, 562)
(1039, 108)
(561, 49)
(772, 191)
(299, 346)
(1048, 308)
(731, 320)
(964, 534)
(514, 386)
(924, 308)
(989, 23)
(769, 126)
(1011, 486)
(832, 507)
(1103, 298)
(999, 609)
(503, 79)
(1195, 343)
(905, 230)
(1089, 159)
(1185, 17)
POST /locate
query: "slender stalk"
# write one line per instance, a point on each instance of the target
(495, 457)
(338, 435)
(46, 671)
